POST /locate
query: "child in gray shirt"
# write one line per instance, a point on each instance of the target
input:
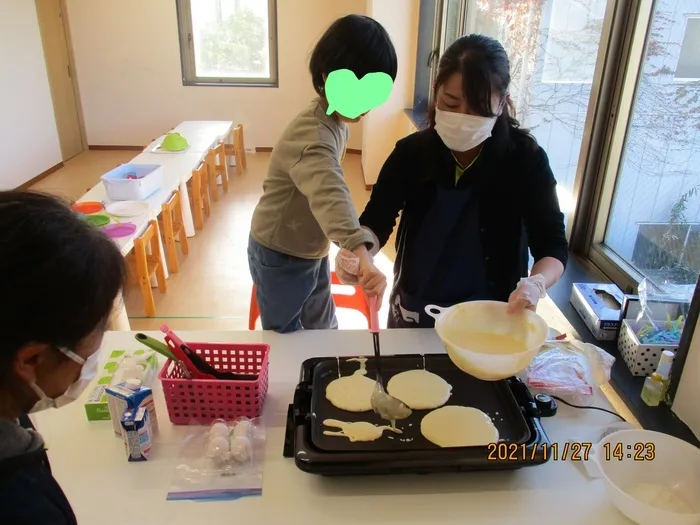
(306, 202)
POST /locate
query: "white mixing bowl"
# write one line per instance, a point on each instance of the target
(660, 487)
(457, 324)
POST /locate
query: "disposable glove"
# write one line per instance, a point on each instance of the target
(528, 293)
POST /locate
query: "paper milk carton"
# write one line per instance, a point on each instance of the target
(118, 362)
(130, 395)
(136, 432)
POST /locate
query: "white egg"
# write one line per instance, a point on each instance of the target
(244, 428)
(218, 449)
(241, 449)
(219, 429)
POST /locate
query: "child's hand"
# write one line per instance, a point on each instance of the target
(347, 267)
(373, 281)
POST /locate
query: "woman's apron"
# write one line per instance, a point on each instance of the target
(445, 265)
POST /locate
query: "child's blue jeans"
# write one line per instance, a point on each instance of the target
(292, 293)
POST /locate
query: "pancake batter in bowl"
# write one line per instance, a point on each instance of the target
(420, 389)
(457, 426)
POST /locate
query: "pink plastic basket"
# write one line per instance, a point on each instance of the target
(200, 401)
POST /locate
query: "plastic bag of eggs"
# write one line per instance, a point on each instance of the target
(230, 443)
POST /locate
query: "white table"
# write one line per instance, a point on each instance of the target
(178, 169)
(201, 134)
(220, 129)
(90, 464)
(174, 169)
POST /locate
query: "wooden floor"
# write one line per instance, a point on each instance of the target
(212, 289)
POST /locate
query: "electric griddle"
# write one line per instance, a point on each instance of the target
(509, 403)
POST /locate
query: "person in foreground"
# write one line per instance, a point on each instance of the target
(59, 279)
(475, 191)
(306, 202)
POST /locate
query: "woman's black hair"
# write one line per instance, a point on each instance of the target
(485, 69)
(59, 277)
(355, 42)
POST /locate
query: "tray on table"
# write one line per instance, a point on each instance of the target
(508, 402)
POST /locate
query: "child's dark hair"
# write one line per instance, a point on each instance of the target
(485, 68)
(355, 42)
(59, 277)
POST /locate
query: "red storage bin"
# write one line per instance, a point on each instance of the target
(200, 401)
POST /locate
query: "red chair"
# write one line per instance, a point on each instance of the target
(355, 301)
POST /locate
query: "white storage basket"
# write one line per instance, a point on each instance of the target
(641, 359)
(148, 180)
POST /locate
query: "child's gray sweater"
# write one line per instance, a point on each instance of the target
(306, 201)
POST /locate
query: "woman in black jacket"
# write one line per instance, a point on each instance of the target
(59, 279)
(474, 192)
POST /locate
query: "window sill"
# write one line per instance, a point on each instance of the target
(189, 83)
(627, 386)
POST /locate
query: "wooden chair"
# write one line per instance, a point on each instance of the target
(200, 200)
(237, 149)
(217, 169)
(143, 266)
(173, 226)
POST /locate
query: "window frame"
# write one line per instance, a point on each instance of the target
(686, 80)
(626, 66)
(187, 54)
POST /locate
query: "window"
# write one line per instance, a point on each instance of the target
(651, 229)
(228, 42)
(553, 48)
(688, 67)
(572, 37)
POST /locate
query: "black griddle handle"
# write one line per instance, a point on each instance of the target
(289, 431)
(524, 398)
(302, 402)
(297, 414)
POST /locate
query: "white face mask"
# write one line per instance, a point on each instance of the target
(462, 132)
(87, 374)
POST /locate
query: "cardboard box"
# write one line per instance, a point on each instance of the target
(600, 307)
(96, 407)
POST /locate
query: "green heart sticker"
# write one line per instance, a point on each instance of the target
(351, 97)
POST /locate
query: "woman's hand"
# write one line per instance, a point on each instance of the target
(527, 294)
(373, 281)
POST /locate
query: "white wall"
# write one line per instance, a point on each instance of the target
(28, 136)
(686, 405)
(127, 58)
(382, 127)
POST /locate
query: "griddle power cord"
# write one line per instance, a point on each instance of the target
(589, 408)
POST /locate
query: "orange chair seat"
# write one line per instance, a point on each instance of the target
(357, 301)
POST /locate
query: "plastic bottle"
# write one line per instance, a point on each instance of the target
(664, 368)
(653, 390)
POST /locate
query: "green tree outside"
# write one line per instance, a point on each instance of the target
(233, 45)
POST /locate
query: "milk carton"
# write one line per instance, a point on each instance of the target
(130, 395)
(136, 432)
(120, 363)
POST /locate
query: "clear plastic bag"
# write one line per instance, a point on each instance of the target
(223, 461)
(651, 328)
(571, 370)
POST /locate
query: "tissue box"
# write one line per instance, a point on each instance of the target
(96, 406)
(599, 305)
(641, 359)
